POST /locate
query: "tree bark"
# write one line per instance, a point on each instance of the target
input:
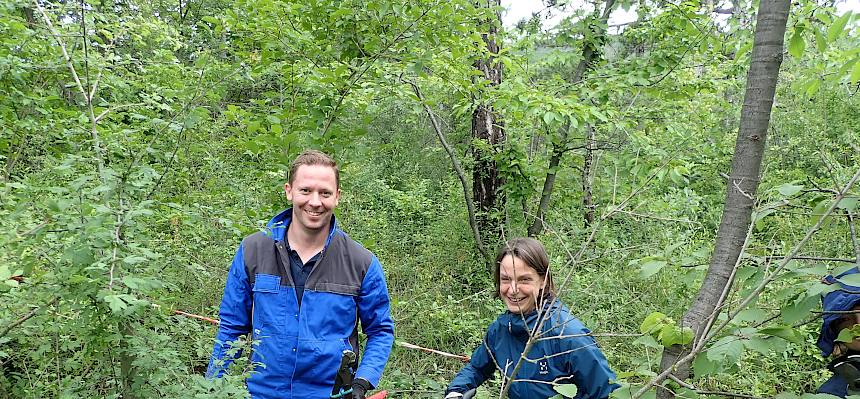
(744, 179)
(488, 128)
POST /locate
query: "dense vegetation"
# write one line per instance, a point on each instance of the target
(142, 140)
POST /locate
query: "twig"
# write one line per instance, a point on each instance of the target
(805, 257)
(853, 236)
(26, 317)
(433, 351)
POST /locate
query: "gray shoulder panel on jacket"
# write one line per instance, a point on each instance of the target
(342, 268)
(261, 257)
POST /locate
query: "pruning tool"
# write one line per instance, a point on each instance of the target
(343, 379)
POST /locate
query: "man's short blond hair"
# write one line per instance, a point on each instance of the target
(311, 158)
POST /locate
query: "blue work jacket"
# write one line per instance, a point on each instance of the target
(564, 355)
(300, 348)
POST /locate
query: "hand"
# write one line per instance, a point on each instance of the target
(453, 395)
(360, 386)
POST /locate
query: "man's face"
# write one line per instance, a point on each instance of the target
(314, 195)
(519, 285)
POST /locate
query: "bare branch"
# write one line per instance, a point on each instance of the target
(433, 351)
(105, 112)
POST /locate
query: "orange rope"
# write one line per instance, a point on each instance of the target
(194, 316)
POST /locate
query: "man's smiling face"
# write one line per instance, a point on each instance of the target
(314, 194)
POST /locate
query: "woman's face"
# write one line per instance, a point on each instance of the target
(519, 285)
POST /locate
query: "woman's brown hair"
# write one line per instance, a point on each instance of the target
(533, 254)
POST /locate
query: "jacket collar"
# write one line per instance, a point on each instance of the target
(277, 227)
(521, 326)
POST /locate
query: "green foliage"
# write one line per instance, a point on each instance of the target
(665, 330)
(112, 216)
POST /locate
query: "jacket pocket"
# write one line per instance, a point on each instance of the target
(269, 303)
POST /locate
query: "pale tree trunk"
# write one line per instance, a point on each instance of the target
(487, 127)
(591, 53)
(744, 179)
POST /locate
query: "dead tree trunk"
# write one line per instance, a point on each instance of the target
(488, 132)
(744, 179)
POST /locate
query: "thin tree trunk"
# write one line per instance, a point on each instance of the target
(744, 179)
(587, 166)
(591, 52)
(487, 127)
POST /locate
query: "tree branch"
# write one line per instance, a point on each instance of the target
(26, 317)
(470, 205)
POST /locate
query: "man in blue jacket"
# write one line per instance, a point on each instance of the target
(301, 288)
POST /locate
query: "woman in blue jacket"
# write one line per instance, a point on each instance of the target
(563, 352)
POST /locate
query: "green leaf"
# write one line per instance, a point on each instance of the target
(800, 309)
(550, 116)
(653, 322)
(837, 27)
(796, 45)
(672, 335)
(703, 366)
(786, 395)
(855, 73)
(115, 303)
(848, 204)
(820, 41)
(727, 350)
(743, 50)
(751, 315)
(648, 341)
(686, 393)
(851, 279)
(763, 345)
(568, 390)
(845, 335)
(788, 189)
(819, 210)
(785, 332)
(651, 268)
(817, 396)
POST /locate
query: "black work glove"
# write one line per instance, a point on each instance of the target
(360, 386)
